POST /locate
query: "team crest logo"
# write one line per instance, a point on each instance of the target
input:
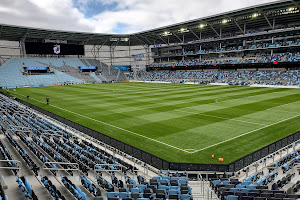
(56, 49)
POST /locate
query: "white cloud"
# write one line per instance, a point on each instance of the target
(137, 15)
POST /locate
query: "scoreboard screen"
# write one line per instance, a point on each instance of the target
(124, 68)
(87, 67)
(36, 68)
(53, 48)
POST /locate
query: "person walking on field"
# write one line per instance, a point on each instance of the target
(47, 99)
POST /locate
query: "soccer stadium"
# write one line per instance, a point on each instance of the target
(203, 109)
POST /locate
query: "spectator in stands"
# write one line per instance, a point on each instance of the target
(47, 99)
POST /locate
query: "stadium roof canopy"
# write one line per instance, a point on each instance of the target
(282, 11)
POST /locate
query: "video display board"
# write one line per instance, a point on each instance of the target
(87, 67)
(36, 68)
(53, 48)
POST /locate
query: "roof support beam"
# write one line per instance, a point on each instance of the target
(178, 38)
(195, 34)
(24, 36)
(1, 30)
(140, 40)
(296, 3)
(268, 21)
(113, 47)
(150, 43)
(156, 38)
(22, 44)
(163, 40)
(95, 51)
(214, 29)
(49, 35)
(103, 43)
(70, 37)
(85, 42)
(243, 31)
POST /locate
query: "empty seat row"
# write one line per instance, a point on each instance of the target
(147, 195)
(2, 194)
(233, 197)
(91, 187)
(55, 193)
(94, 149)
(26, 188)
(77, 193)
(23, 154)
(5, 155)
(66, 151)
(54, 155)
(104, 184)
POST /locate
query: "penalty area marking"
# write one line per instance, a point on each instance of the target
(226, 100)
(190, 150)
(246, 133)
(283, 105)
(114, 126)
(285, 111)
(220, 117)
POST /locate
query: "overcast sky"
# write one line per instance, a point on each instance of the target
(111, 16)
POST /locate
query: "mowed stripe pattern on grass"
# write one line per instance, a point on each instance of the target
(183, 116)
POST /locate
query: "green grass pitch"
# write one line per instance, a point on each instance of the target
(179, 123)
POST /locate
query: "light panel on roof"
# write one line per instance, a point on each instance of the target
(201, 26)
(166, 33)
(183, 30)
(224, 21)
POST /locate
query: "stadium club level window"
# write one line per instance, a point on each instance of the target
(53, 48)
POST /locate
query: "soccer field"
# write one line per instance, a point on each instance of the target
(179, 123)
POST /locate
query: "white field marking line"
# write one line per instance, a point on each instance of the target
(220, 117)
(283, 105)
(225, 100)
(285, 111)
(166, 87)
(113, 126)
(217, 100)
(246, 133)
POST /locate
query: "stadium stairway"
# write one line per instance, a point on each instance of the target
(26, 171)
(118, 75)
(96, 78)
(12, 186)
(102, 78)
(85, 62)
